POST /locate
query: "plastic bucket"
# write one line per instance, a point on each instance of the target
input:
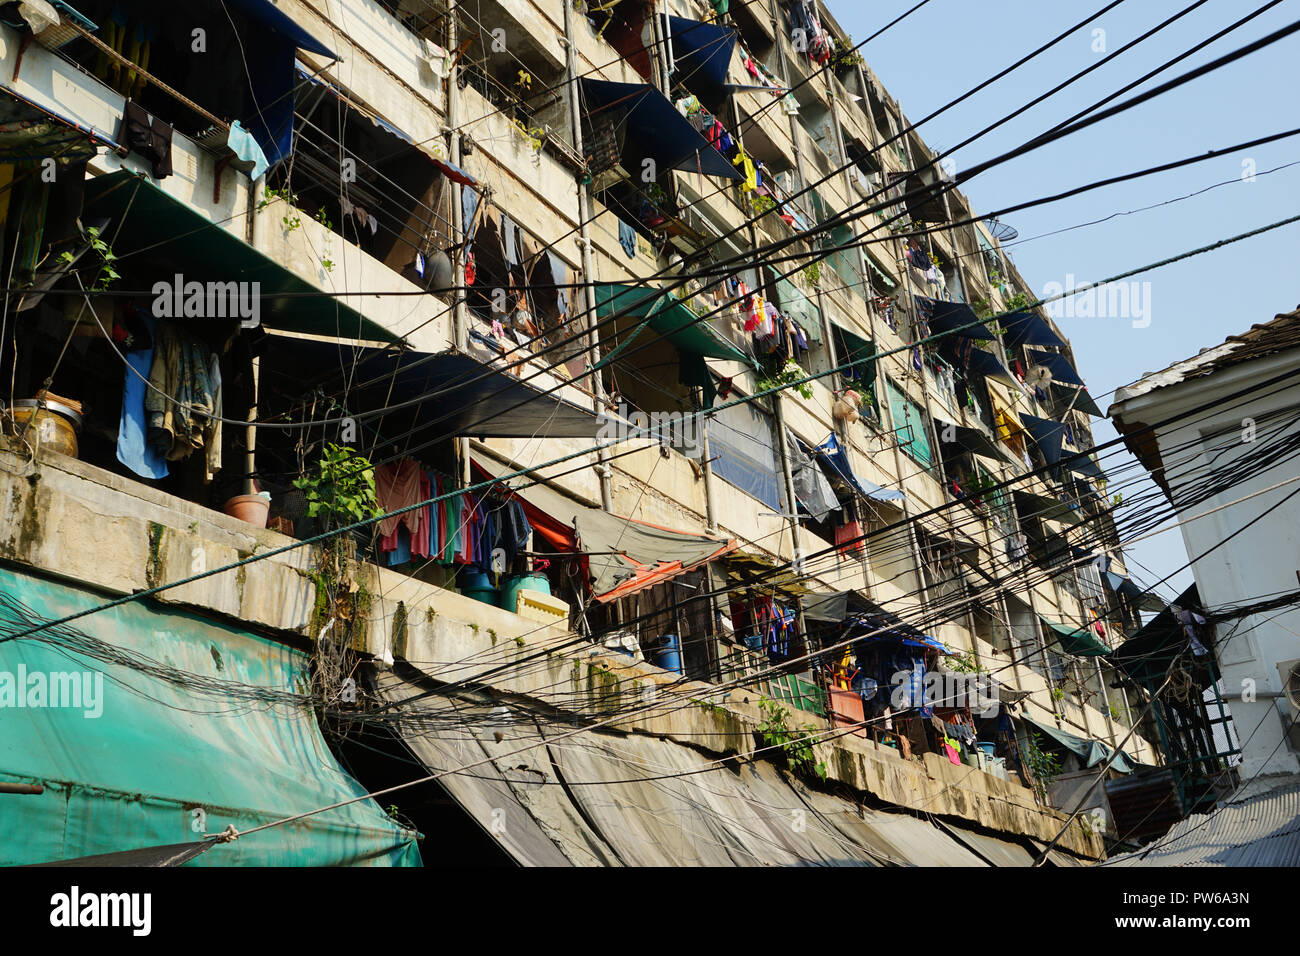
(522, 582)
(665, 652)
(988, 748)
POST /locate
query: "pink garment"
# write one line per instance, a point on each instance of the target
(398, 486)
(952, 754)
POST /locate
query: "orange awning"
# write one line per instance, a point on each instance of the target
(648, 576)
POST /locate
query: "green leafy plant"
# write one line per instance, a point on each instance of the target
(106, 274)
(1058, 693)
(1043, 766)
(813, 273)
(532, 135)
(290, 219)
(775, 731)
(791, 375)
(845, 55)
(1113, 711)
(762, 205)
(341, 491)
(964, 664)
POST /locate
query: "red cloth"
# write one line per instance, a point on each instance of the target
(398, 486)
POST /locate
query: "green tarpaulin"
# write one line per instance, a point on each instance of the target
(669, 317)
(1091, 753)
(172, 741)
(160, 231)
(1077, 640)
(1148, 655)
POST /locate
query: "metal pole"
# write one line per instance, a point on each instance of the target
(460, 316)
(588, 267)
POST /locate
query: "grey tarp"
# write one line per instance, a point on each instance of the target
(832, 607)
(661, 803)
(811, 486)
(601, 532)
(888, 838)
(632, 790)
(996, 852)
(1031, 505)
(808, 838)
(517, 800)
(1058, 857)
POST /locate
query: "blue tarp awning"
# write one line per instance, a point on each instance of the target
(1060, 367)
(702, 53)
(984, 362)
(654, 128)
(438, 394)
(275, 19)
(953, 318)
(1066, 396)
(892, 628)
(833, 454)
(1082, 464)
(1047, 434)
(1029, 328)
(269, 55)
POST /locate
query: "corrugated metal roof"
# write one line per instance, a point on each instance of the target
(1277, 335)
(1261, 831)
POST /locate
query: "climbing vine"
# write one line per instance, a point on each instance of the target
(775, 731)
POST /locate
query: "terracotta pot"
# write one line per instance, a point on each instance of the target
(250, 508)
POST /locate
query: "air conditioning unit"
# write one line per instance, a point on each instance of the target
(1288, 702)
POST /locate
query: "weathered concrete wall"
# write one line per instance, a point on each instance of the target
(68, 518)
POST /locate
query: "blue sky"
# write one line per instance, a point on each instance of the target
(950, 46)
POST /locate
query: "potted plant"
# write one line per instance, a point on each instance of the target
(341, 491)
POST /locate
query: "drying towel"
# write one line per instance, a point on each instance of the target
(398, 486)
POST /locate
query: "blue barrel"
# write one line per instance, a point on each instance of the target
(665, 652)
(477, 585)
(511, 587)
(988, 748)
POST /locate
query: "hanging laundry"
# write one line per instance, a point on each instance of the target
(150, 137)
(399, 486)
(747, 165)
(133, 448)
(627, 239)
(183, 399)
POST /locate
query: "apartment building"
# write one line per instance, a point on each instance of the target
(663, 326)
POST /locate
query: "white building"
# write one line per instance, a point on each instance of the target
(1217, 432)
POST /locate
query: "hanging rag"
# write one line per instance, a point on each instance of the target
(399, 486)
(133, 450)
(182, 402)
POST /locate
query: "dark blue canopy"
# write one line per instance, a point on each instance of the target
(1029, 328)
(1067, 395)
(702, 53)
(276, 19)
(955, 318)
(1083, 464)
(1060, 367)
(1048, 434)
(654, 128)
(984, 362)
(833, 454)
